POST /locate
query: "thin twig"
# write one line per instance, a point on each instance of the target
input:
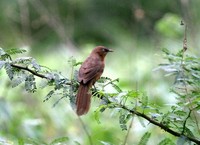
(110, 82)
(131, 123)
(35, 73)
(128, 131)
(184, 123)
(30, 70)
(85, 129)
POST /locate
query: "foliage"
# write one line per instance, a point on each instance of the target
(46, 23)
(181, 120)
(145, 138)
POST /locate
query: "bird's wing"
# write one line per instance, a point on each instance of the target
(89, 70)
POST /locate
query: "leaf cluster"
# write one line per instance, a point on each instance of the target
(180, 121)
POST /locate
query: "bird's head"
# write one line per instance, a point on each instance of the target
(101, 51)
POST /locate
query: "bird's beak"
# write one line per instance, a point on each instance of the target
(110, 50)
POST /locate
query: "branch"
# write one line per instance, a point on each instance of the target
(36, 73)
(162, 126)
(29, 70)
(128, 131)
(159, 124)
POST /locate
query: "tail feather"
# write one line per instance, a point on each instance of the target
(83, 100)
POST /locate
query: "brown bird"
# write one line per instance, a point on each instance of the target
(89, 72)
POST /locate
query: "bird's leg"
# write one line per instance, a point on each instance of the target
(95, 89)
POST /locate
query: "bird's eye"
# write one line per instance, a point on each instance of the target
(104, 49)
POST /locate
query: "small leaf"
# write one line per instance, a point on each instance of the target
(58, 101)
(30, 84)
(180, 113)
(97, 111)
(35, 65)
(48, 96)
(2, 64)
(4, 55)
(166, 51)
(23, 60)
(15, 51)
(18, 80)
(144, 100)
(166, 141)
(9, 70)
(105, 143)
(61, 140)
(123, 119)
(32, 141)
(117, 88)
(145, 139)
(2, 52)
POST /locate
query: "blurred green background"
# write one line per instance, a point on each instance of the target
(55, 30)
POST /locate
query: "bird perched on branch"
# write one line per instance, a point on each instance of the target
(89, 72)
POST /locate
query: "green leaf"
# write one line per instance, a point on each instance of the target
(18, 80)
(4, 55)
(144, 100)
(145, 139)
(60, 140)
(105, 143)
(23, 60)
(58, 101)
(9, 70)
(48, 96)
(117, 88)
(30, 84)
(31, 141)
(180, 113)
(133, 94)
(166, 51)
(123, 119)
(2, 64)
(97, 111)
(35, 65)
(15, 51)
(166, 141)
(2, 52)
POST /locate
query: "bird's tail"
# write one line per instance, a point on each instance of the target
(83, 100)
